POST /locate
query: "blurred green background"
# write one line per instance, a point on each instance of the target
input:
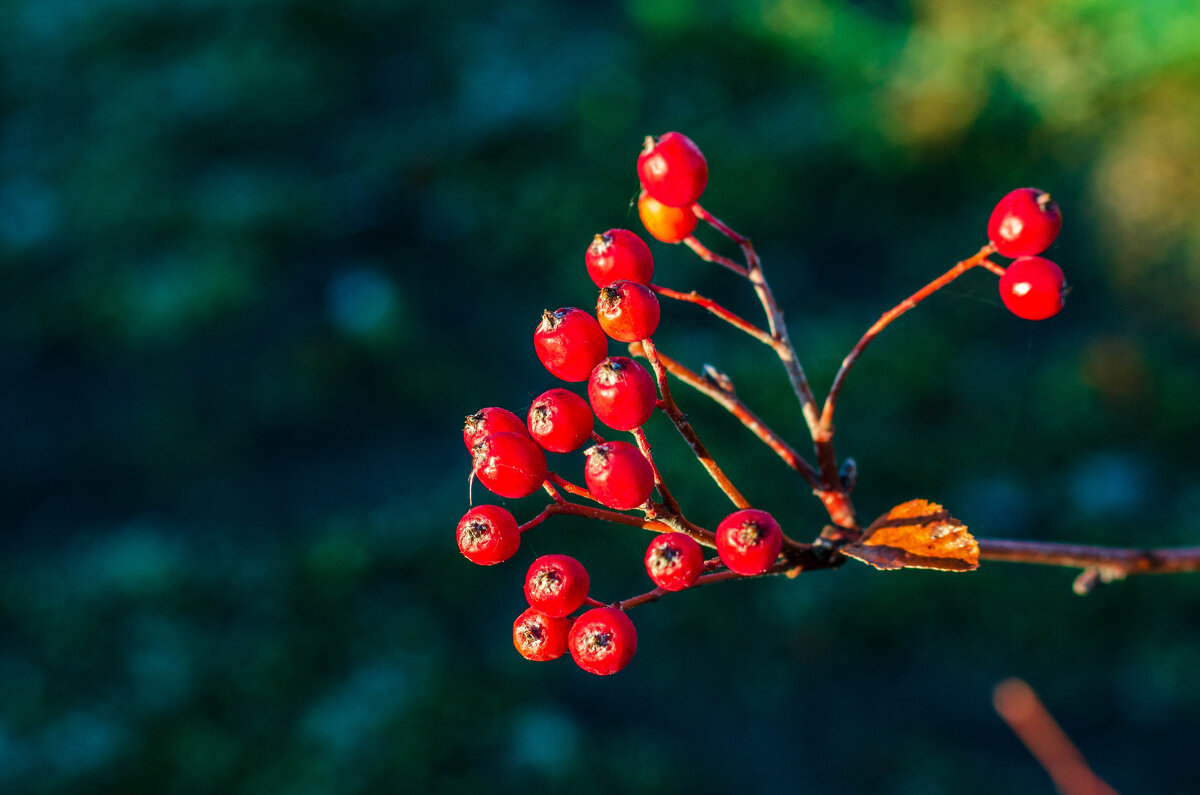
(258, 259)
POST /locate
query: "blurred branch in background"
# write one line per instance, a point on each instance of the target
(1025, 714)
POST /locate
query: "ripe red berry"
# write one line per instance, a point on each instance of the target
(569, 343)
(1033, 288)
(488, 534)
(509, 464)
(1025, 222)
(560, 420)
(627, 311)
(602, 641)
(540, 637)
(619, 254)
(622, 393)
(488, 421)
(556, 585)
(672, 169)
(674, 561)
(749, 541)
(668, 224)
(618, 475)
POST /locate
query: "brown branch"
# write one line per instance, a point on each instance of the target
(793, 561)
(603, 515)
(686, 430)
(1033, 724)
(1109, 563)
(712, 306)
(729, 401)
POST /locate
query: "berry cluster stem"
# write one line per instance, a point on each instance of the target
(685, 429)
(715, 308)
(776, 325)
(643, 445)
(727, 399)
(826, 427)
(829, 489)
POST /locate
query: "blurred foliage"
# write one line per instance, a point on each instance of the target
(258, 258)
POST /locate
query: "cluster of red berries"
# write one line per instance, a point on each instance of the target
(508, 453)
(1023, 225)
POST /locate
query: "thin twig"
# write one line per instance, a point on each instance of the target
(704, 253)
(546, 513)
(570, 488)
(669, 501)
(826, 424)
(991, 266)
(802, 559)
(686, 430)
(777, 326)
(715, 308)
(734, 405)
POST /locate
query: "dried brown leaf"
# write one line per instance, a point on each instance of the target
(917, 535)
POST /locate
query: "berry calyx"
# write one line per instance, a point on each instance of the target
(560, 420)
(627, 311)
(556, 585)
(668, 224)
(488, 535)
(602, 641)
(749, 541)
(488, 421)
(1033, 288)
(623, 395)
(619, 254)
(540, 637)
(509, 464)
(672, 169)
(569, 343)
(674, 561)
(618, 475)
(1024, 222)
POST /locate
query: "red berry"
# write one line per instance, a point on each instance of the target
(569, 343)
(488, 421)
(618, 475)
(749, 541)
(674, 561)
(602, 641)
(540, 637)
(1033, 288)
(509, 464)
(619, 254)
(672, 169)
(627, 311)
(668, 224)
(622, 393)
(1025, 222)
(560, 420)
(556, 585)
(488, 534)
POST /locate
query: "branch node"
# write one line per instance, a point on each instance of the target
(718, 379)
